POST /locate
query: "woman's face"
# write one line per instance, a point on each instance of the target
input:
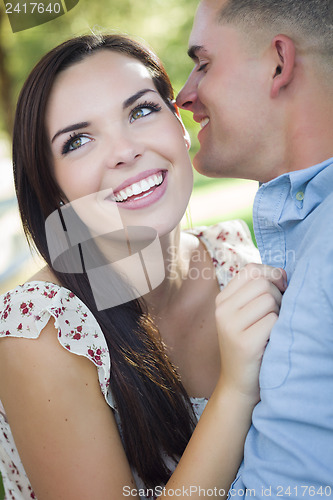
(115, 141)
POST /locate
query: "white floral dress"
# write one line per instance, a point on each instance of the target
(26, 310)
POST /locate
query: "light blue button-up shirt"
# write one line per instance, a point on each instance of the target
(289, 448)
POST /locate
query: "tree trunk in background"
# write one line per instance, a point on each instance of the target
(6, 83)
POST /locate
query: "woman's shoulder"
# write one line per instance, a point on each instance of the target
(33, 303)
(230, 246)
(27, 309)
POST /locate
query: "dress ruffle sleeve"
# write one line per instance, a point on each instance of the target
(26, 310)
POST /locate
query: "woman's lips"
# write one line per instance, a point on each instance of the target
(143, 192)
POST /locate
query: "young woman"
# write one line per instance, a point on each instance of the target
(103, 401)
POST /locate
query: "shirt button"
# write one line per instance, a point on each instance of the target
(300, 196)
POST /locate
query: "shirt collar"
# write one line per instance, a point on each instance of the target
(316, 180)
(301, 178)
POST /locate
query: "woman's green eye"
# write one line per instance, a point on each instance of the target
(144, 109)
(140, 113)
(77, 143)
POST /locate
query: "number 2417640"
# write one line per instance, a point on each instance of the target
(33, 8)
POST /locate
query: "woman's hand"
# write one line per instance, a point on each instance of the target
(246, 311)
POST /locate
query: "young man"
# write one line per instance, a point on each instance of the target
(262, 89)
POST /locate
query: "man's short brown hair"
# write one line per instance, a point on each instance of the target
(308, 22)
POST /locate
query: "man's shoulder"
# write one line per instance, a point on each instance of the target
(316, 247)
(328, 201)
(321, 218)
(314, 237)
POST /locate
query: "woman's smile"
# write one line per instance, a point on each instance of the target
(147, 188)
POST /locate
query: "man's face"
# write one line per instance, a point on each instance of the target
(228, 92)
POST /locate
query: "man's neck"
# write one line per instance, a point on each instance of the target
(309, 141)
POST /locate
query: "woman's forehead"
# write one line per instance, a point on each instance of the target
(102, 81)
(107, 64)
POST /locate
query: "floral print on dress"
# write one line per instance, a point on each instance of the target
(26, 310)
(230, 247)
(97, 354)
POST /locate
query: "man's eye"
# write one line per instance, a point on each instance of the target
(202, 67)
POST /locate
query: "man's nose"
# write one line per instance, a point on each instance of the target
(188, 94)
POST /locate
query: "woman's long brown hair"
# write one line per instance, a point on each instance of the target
(155, 414)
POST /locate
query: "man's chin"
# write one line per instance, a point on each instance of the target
(202, 164)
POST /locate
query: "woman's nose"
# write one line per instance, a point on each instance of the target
(125, 150)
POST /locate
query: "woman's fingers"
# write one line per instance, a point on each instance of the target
(249, 291)
(254, 273)
(246, 311)
(241, 319)
(259, 333)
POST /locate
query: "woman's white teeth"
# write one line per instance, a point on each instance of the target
(123, 195)
(139, 187)
(136, 188)
(204, 122)
(145, 185)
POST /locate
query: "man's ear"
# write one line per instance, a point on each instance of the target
(185, 132)
(284, 52)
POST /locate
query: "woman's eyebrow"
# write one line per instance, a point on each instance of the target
(131, 100)
(70, 128)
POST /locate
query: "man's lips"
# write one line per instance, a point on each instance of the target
(204, 122)
(202, 119)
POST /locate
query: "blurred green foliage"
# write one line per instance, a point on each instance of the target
(164, 26)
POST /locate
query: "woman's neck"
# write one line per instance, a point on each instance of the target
(177, 249)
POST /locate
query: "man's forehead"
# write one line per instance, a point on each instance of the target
(205, 20)
(213, 7)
